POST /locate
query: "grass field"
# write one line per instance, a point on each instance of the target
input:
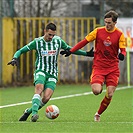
(77, 109)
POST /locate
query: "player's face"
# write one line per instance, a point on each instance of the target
(109, 24)
(49, 34)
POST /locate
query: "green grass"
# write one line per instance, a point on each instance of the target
(76, 113)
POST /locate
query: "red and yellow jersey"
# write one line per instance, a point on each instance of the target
(107, 45)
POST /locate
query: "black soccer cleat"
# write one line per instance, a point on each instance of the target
(24, 116)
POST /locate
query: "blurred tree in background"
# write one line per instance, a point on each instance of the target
(65, 8)
(123, 7)
(34, 8)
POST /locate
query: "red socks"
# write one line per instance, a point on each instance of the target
(104, 104)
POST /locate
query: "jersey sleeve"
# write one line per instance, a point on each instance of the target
(79, 45)
(26, 48)
(78, 52)
(122, 42)
(91, 36)
(64, 45)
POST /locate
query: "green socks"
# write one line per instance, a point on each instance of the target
(29, 110)
(40, 106)
(35, 104)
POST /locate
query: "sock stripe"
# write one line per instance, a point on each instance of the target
(36, 96)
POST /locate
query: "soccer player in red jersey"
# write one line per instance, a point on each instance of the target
(109, 49)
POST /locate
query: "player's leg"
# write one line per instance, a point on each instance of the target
(48, 90)
(96, 81)
(97, 89)
(28, 111)
(105, 102)
(39, 81)
(111, 83)
(36, 100)
(46, 96)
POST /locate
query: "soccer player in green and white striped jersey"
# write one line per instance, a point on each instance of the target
(47, 50)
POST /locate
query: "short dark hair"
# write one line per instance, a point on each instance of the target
(111, 14)
(51, 26)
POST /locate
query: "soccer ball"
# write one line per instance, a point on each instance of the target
(52, 111)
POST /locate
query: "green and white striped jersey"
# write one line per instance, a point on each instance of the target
(47, 53)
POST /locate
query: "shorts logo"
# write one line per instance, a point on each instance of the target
(52, 79)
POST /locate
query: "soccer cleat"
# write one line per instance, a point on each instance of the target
(34, 118)
(97, 117)
(24, 116)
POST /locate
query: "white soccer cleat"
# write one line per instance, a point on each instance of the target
(97, 117)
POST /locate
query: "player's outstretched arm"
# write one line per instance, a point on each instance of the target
(13, 62)
(75, 50)
(67, 52)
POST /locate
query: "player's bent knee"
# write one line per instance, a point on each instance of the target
(96, 89)
(96, 92)
(39, 89)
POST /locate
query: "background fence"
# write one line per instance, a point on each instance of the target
(18, 32)
(23, 30)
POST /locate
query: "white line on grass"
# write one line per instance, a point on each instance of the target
(81, 122)
(63, 97)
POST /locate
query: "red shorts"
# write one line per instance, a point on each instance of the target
(110, 77)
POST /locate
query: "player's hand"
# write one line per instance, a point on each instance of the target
(90, 53)
(121, 56)
(13, 62)
(66, 52)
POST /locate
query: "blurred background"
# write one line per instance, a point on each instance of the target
(23, 20)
